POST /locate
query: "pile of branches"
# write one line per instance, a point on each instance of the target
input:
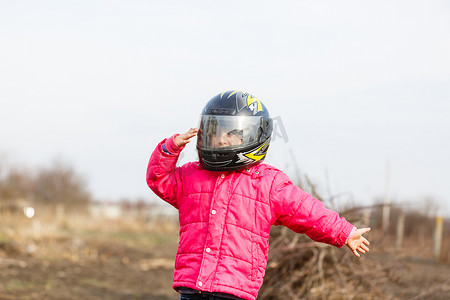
(299, 268)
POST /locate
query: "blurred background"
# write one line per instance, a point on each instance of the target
(358, 89)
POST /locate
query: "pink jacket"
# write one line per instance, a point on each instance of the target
(225, 220)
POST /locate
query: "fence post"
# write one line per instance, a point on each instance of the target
(400, 231)
(438, 237)
(366, 217)
(387, 202)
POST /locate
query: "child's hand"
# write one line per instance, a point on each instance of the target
(357, 242)
(184, 138)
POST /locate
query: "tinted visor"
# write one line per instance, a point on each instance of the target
(228, 132)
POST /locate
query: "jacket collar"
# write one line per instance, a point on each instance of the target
(254, 171)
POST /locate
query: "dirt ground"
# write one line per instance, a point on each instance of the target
(128, 262)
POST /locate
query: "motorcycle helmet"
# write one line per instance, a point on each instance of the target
(234, 132)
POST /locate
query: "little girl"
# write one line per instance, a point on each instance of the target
(228, 201)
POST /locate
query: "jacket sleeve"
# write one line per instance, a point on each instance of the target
(163, 177)
(299, 211)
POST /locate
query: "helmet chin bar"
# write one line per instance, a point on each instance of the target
(214, 160)
(215, 165)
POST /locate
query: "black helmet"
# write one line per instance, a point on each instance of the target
(234, 132)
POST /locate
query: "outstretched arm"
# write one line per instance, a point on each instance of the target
(356, 241)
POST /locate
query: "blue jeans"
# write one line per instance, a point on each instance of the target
(207, 296)
(201, 297)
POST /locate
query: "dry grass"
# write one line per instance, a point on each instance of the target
(74, 256)
(78, 257)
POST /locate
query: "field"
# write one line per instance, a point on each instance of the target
(77, 257)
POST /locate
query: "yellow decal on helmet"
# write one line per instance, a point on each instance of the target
(254, 104)
(232, 94)
(253, 156)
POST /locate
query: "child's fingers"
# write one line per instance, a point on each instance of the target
(191, 133)
(188, 135)
(183, 138)
(364, 247)
(365, 241)
(359, 244)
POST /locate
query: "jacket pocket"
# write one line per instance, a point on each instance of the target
(255, 261)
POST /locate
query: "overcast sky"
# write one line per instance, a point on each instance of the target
(357, 85)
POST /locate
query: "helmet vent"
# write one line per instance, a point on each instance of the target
(222, 111)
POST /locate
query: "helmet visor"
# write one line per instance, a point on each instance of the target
(228, 132)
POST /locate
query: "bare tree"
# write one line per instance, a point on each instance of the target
(15, 184)
(60, 184)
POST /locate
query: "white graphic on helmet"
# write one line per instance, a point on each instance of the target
(253, 107)
(243, 158)
(254, 104)
(254, 154)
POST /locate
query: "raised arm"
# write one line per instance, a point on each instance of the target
(163, 177)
